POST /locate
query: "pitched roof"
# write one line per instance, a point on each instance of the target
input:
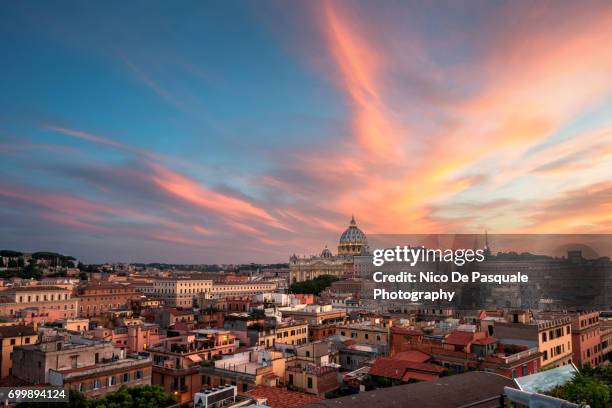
(398, 369)
(485, 341)
(414, 356)
(460, 338)
(282, 397)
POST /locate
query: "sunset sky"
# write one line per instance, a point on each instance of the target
(235, 131)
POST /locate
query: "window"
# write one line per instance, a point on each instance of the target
(245, 387)
(290, 379)
(139, 374)
(27, 340)
(126, 377)
(12, 342)
(309, 382)
(97, 384)
(112, 380)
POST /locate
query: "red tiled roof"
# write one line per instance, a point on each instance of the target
(459, 338)
(406, 331)
(414, 356)
(485, 341)
(452, 353)
(282, 397)
(397, 369)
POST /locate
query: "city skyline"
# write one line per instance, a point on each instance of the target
(229, 132)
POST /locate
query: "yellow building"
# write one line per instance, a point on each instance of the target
(552, 337)
(555, 342)
(366, 333)
(12, 336)
(292, 333)
(74, 324)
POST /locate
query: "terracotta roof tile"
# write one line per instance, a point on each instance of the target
(282, 397)
(414, 356)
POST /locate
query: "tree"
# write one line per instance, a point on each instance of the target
(592, 386)
(31, 271)
(151, 396)
(10, 254)
(75, 400)
(313, 286)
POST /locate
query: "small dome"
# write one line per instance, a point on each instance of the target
(326, 253)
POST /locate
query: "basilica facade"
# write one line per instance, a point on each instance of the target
(353, 242)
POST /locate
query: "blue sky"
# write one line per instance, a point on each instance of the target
(246, 131)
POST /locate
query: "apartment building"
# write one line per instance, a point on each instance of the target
(11, 337)
(48, 303)
(97, 298)
(131, 338)
(246, 370)
(314, 314)
(92, 367)
(241, 288)
(291, 332)
(313, 369)
(177, 360)
(367, 332)
(553, 338)
(180, 291)
(586, 337)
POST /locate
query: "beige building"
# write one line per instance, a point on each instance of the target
(241, 289)
(50, 302)
(73, 324)
(246, 370)
(314, 314)
(180, 291)
(92, 367)
(366, 333)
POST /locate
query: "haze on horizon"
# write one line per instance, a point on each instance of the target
(239, 131)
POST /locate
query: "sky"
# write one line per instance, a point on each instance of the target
(246, 131)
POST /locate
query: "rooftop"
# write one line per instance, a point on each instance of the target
(36, 288)
(282, 397)
(15, 331)
(447, 392)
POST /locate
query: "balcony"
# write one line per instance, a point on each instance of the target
(59, 377)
